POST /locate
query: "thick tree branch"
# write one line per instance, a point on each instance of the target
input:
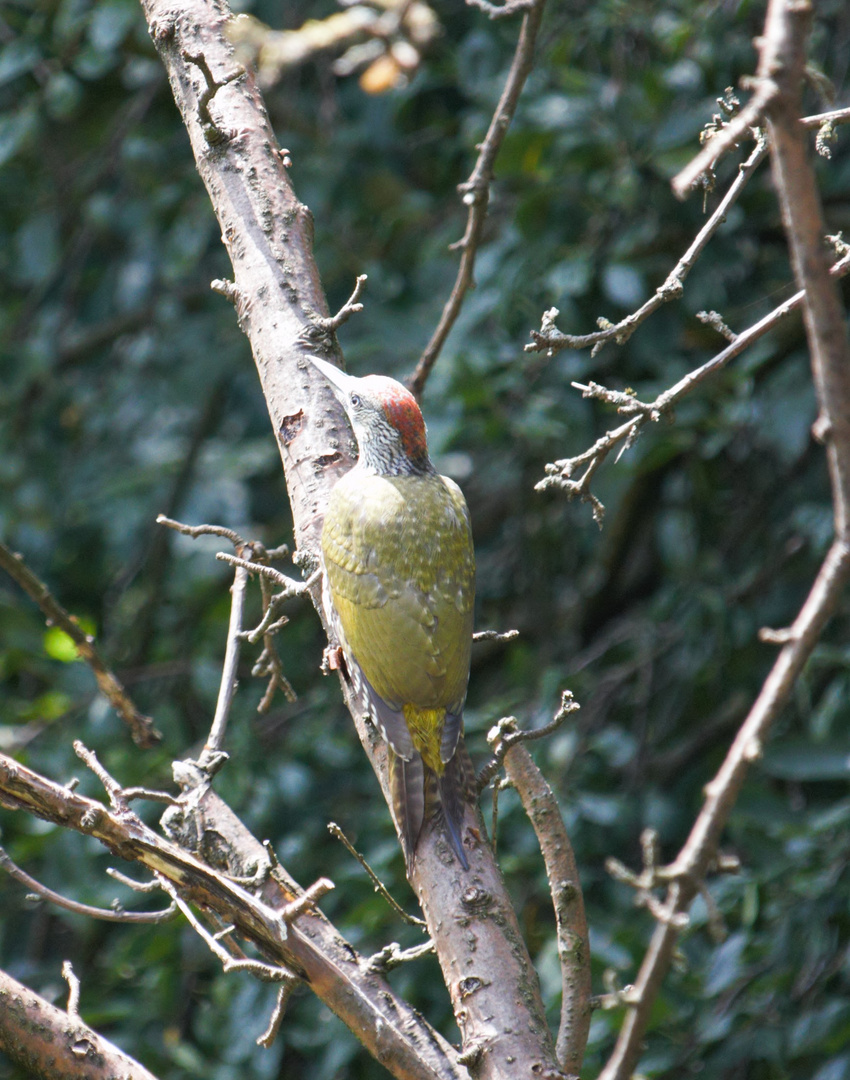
(783, 55)
(50, 1043)
(476, 190)
(281, 308)
(309, 945)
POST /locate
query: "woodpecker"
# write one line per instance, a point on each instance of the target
(399, 588)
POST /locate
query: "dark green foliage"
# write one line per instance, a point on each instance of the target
(127, 390)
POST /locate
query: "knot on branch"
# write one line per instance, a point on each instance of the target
(214, 134)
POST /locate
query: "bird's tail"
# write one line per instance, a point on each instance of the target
(418, 793)
(407, 791)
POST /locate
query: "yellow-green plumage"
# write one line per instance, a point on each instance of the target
(399, 586)
(400, 571)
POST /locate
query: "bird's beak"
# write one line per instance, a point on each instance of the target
(341, 383)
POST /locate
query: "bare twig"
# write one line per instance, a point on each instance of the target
(380, 888)
(351, 307)
(715, 321)
(268, 663)
(505, 734)
(131, 793)
(202, 530)
(131, 883)
(113, 914)
(73, 991)
(571, 923)
(229, 670)
(284, 993)
(476, 192)
(290, 586)
(495, 635)
(559, 473)
(113, 789)
(308, 899)
(141, 727)
(393, 956)
(549, 338)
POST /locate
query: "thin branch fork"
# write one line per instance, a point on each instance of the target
(766, 90)
(550, 339)
(114, 914)
(505, 734)
(559, 473)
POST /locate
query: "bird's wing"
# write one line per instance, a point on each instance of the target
(400, 572)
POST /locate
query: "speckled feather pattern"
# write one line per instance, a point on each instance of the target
(400, 570)
(399, 585)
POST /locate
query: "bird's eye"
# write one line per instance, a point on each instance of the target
(355, 401)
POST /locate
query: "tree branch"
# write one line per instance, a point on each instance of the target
(549, 338)
(50, 1043)
(781, 62)
(310, 946)
(544, 813)
(559, 473)
(280, 307)
(113, 914)
(476, 190)
(141, 727)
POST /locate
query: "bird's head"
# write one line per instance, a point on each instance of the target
(386, 419)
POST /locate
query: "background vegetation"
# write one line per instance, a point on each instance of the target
(127, 389)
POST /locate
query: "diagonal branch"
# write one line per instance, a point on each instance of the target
(310, 945)
(141, 727)
(281, 308)
(550, 339)
(476, 191)
(113, 914)
(559, 473)
(544, 814)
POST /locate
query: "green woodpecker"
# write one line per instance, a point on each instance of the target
(399, 586)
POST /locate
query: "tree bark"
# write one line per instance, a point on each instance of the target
(280, 305)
